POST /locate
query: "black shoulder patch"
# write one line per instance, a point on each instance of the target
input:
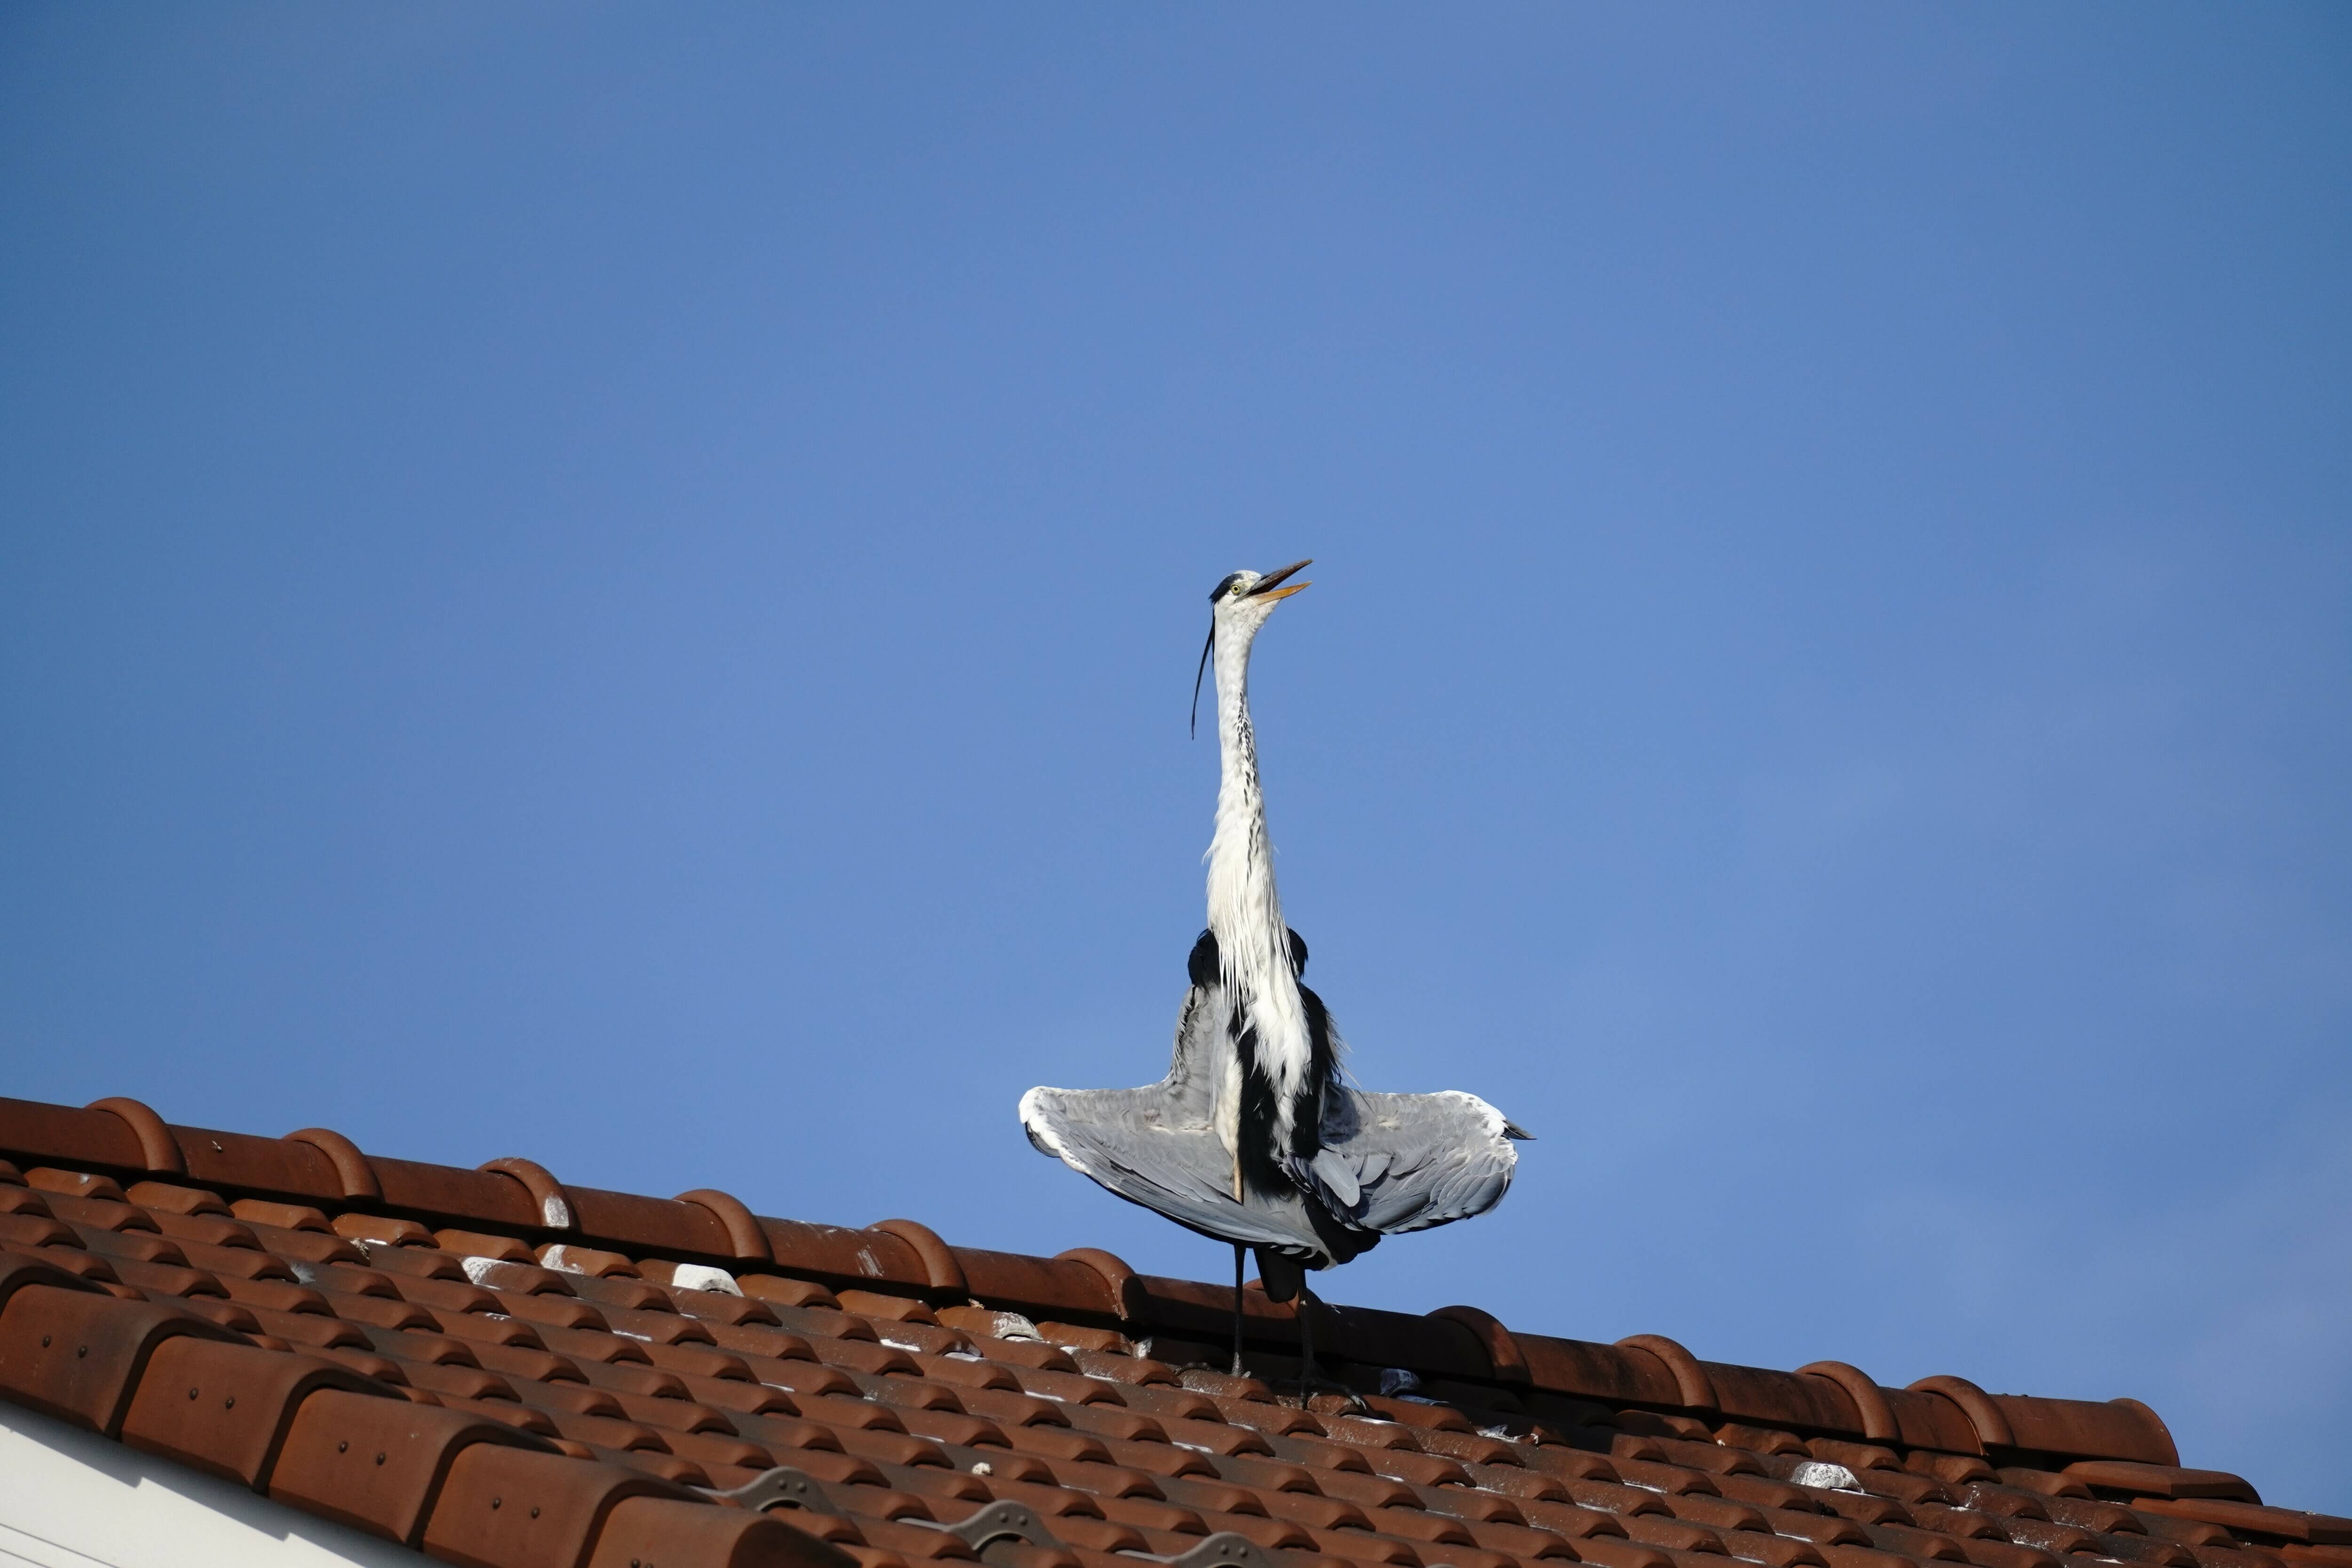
(1322, 1067)
(1202, 965)
(1297, 954)
(1219, 591)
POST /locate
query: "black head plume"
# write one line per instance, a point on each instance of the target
(1206, 648)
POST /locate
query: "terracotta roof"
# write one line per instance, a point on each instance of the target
(497, 1368)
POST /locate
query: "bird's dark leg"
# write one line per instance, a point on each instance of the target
(1306, 1344)
(1310, 1374)
(1239, 1253)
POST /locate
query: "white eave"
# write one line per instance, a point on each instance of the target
(70, 1499)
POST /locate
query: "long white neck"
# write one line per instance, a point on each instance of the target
(1244, 911)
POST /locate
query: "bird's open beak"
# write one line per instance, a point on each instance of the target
(1267, 585)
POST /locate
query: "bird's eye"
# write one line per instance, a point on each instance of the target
(1220, 590)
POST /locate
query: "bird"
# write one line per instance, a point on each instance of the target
(1256, 1137)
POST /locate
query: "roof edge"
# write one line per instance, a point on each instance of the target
(1084, 1286)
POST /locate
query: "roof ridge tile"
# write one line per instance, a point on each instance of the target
(909, 1372)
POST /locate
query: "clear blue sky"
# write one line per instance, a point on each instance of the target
(619, 584)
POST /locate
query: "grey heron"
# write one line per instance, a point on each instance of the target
(1255, 1137)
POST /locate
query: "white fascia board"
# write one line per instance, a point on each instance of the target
(70, 1499)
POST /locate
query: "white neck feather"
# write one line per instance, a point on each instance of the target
(1244, 910)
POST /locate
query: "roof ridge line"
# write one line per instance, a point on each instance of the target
(1084, 1289)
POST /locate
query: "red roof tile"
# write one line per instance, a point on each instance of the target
(496, 1367)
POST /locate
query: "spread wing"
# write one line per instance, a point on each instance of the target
(1157, 1145)
(1389, 1163)
(1395, 1162)
(1135, 1142)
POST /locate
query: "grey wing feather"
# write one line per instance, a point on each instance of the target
(1157, 1145)
(1135, 1142)
(1389, 1163)
(1414, 1161)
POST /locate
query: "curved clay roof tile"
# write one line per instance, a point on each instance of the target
(1508, 1361)
(1125, 1293)
(555, 1210)
(1991, 1425)
(1878, 1423)
(157, 1147)
(939, 1264)
(1691, 1382)
(743, 1232)
(351, 1167)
